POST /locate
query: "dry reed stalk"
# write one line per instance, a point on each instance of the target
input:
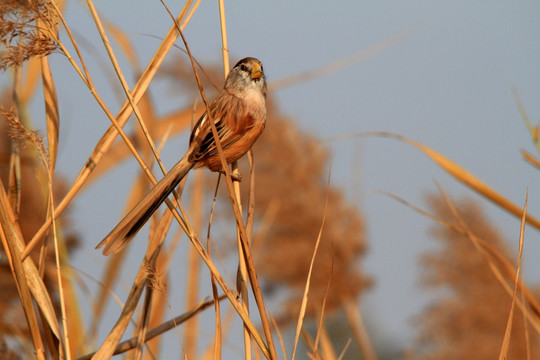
(506, 340)
(321, 327)
(142, 328)
(530, 159)
(52, 119)
(533, 130)
(218, 337)
(79, 340)
(114, 265)
(28, 249)
(14, 182)
(66, 333)
(159, 330)
(303, 306)
(218, 333)
(528, 340)
(127, 92)
(327, 349)
(242, 275)
(157, 278)
(160, 280)
(153, 308)
(194, 268)
(100, 148)
(135, 109)
(123, 115)
(344, 351)
(268, 349)
(310, 346)
(126, 47)
(113, 338)
(150, 271)
(280, 337)
(226, 325)
(21, 133)
(175, 122)
(160, 301)
(75, 337)
(12, 241)
(42, 293)
(359, 330)
(241, 280)
(464, 176)
(243, 268)
(51, 112)
(31, 184)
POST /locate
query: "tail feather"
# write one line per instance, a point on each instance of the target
(130, 225)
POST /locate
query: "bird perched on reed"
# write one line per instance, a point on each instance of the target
(239, 113)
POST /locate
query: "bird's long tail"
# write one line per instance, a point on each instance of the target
(128, 227)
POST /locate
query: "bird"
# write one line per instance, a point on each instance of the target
(239, 114)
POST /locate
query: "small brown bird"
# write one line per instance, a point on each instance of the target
(239, 113)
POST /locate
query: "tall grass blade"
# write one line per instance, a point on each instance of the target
(464, 176)
(51, 111)
(26, 276)
(159, 330)
(507, 335)
(113, 338)
(533, 130)
(108, 138)
(359, 331)
(303, 306)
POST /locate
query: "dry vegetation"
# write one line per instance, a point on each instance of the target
(304, 240)
(473, 307)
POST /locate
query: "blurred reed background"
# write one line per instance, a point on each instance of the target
(302, 237)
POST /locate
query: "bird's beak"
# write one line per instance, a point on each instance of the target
(256, 72)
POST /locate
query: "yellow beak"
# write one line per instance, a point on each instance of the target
(256, 71)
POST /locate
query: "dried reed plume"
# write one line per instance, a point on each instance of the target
(20, 134)
(291, 180)
(25, 31)
(471, 314)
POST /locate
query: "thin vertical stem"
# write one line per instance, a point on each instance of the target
(225, 48)
(242, 275)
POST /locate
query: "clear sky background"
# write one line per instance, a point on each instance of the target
(447, 84)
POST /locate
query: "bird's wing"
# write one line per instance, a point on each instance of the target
(232, 122)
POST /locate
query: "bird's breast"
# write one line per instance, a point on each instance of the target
(256, 105)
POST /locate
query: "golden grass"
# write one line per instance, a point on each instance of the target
(300, 235)
(150, 261)
(507, 335)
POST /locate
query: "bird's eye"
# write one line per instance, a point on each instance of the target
(243, 67)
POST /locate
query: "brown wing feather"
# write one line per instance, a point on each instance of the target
(232, 120)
